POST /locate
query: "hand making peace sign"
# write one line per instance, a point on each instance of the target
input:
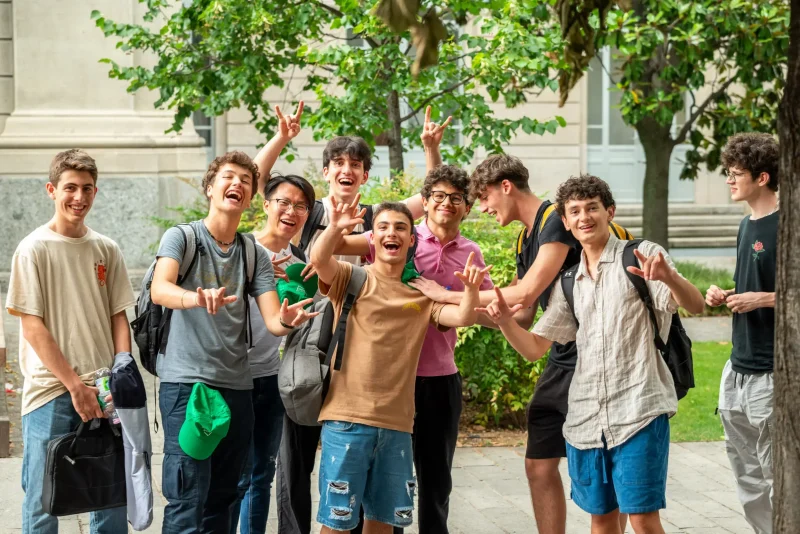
(289, 125)
(431, 132)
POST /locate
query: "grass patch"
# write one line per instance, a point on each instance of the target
(702, 278)
(695, 420)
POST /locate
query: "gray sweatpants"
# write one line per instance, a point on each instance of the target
(745, 407)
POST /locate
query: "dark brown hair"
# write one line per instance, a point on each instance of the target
(348, 145)
(583, 187)
(754, 152)
(236, 158)
(494, 170)
(72, 160)
(276, 179)
(447, 174)
(399, 207)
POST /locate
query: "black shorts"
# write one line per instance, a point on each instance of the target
(547, 412)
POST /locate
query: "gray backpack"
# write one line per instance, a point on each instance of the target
(304, 376)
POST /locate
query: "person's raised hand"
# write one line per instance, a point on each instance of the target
(289, 125)
(309, 271)
(432, 133)
(276, 266)
(346, 216)
(295, 315)
(652, 267)
(213, 299)
(498, 310)
(84, 400)
(472, 276)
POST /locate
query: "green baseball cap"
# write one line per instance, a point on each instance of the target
(207, 420)
(296, 289)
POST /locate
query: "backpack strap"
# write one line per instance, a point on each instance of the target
(312, 224)
(368, 215)
(297, 253)
(629, 260)
(358, 278)
(547, 212)
(568, 287)
(249, 256)
(620, 231)
(189, 251)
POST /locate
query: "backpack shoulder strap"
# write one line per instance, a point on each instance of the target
(520, 239)
(249, 242)
(358, 277)
(189, 251)
(568, 287)
(297, 253)
(312, 224)
(368, 217)
(547, 212)
(629, 260)
(620, 231)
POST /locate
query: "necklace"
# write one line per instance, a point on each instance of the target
(220, 243)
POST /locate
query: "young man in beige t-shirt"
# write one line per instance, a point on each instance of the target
(70, 289)
(368, 414)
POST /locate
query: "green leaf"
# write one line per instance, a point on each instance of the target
(561, 121)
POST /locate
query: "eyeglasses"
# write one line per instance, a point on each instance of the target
(285, 204)
(734, 175)
(439, 196)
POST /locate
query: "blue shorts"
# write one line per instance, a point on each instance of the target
(369, 466)
(631, 476)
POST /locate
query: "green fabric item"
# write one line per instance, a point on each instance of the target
(409, 273)
(207, 420)
(296, 289)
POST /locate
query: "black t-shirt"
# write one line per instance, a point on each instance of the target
(564, 356)
(756, 261)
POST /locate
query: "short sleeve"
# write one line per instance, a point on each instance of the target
(264, 274)
(555, 232)
(172, 244)
(659, 291)
(120, 295)
(557, 323)
(370, 258)
(336, 290)
(24, 291)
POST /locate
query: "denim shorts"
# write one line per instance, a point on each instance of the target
(369, 466)
(631, 476)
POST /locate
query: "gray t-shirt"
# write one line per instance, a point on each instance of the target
(212, 349)
(264, 354)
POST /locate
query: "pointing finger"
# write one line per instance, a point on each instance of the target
(637, 272)
(427, 115)
(300, 304)
(278, 113)
(278, 261)
(299, 112)
(444, 125)
(229, 300)
(469, 261)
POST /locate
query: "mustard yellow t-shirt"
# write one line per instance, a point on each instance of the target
(385, 332)
(75, 285)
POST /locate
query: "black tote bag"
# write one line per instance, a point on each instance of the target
(85, 470)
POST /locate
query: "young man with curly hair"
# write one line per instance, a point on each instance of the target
(208, 344)
(622, 392)
(751, 163)
(441, 252)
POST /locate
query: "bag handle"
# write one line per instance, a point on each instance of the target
(91, 425)
(358, 278)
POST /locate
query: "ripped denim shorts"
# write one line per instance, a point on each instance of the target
(369, 466)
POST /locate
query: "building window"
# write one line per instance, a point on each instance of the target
(204, 125)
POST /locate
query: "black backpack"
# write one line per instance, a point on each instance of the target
(151, 326)
(677, 351)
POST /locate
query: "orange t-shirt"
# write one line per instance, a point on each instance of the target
(385, 332)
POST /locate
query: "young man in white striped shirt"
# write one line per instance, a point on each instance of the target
(622, 393)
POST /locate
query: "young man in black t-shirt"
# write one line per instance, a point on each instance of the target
(544, 249)
(746, 390)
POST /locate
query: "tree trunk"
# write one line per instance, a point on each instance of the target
(786, 446)
(657, 143)
(395, 139)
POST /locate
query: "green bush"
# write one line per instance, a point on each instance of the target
(702, 278)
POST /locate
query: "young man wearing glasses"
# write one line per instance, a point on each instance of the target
(746, 389)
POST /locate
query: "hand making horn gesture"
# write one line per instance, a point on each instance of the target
(431, 132)
(652, 267)
(276, 266)
(289, 125)
(295, 315)
(346, 216)
(472, 275)
(213, 299)
(498, 310)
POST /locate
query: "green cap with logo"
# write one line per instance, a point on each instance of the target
(207, 420)
(296, 289)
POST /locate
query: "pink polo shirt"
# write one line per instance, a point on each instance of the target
(438, 263)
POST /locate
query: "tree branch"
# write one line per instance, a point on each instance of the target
(435, 96)
(330, 9)
(687, 126)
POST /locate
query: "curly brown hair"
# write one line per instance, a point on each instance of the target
(235, 157)
(754, 152)
(583, 187)
(448, 174)
(74, 159)
(494, 170)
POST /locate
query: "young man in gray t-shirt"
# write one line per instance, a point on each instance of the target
(208, 345)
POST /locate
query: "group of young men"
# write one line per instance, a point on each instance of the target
(392, 410)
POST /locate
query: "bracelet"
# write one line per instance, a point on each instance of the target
(183, 306)
(286, 326)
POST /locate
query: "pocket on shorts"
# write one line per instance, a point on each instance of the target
(644, 457)
(580, 465)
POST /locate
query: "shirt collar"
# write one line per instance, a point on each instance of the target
(425, 233)
(608, 256)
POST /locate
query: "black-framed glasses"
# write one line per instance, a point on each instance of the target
(455, 198)
(285, 204)
(730, 175)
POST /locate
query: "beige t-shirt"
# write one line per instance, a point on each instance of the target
(75, 285)
(385, 331)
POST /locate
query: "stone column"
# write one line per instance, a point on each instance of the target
(63, 98)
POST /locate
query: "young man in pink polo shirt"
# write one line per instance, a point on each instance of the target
(441, 251)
